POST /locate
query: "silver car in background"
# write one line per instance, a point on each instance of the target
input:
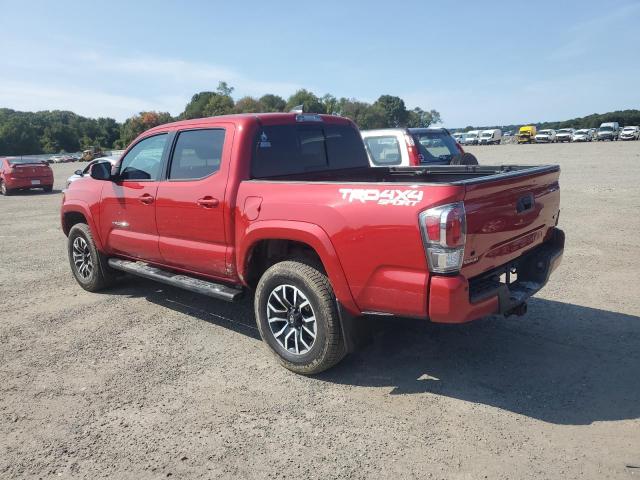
(78, 174)
(630, 133)
(582, 135)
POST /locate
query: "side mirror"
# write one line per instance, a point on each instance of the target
(101, 171)
(79, 173)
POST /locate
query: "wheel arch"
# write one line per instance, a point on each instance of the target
(73, 214)
(266, 241)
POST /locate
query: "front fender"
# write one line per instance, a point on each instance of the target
(302, 232)
(79, 206)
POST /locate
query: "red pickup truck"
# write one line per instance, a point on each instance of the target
(285, 206)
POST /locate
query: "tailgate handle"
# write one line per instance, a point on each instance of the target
(525, 203)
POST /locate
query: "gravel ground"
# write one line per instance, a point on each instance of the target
(145, 381)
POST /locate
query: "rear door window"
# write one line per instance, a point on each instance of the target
(384, 150)
(197, 154)
(292, 149)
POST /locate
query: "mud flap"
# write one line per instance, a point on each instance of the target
(355, 332)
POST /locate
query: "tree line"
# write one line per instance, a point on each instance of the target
(623, 117)
(25, 133)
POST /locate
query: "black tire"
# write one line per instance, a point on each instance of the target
(328, 344)
(100, 276)
(4, 190)
(465, 159)
(48, 189)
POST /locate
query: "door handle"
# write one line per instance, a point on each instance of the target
(146, 199)
(208, 202)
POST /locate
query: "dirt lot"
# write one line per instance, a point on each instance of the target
(144, 381)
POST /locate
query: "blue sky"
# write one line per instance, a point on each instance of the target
(478, 63)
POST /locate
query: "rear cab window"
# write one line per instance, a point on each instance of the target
(435, 146)
(298, 148)
(384, 150)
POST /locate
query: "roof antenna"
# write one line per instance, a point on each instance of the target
(297, 109)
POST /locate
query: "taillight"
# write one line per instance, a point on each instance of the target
(414, 155)
(444, 232)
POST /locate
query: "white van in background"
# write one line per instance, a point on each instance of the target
(546, 136)
(459, 137)
(490, 137)
(608, 131)
(471, 137)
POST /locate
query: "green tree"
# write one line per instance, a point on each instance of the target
(329, 103)
(218, 105)
(310, 103)
(395, 111)
(59, 137)
(196, 106)
(137, 124)
(365, 115)
(273, 103)
(418, 118)
(224, 89)
(18, 137)
(249, 105)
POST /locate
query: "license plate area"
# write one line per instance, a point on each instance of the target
(35, 182)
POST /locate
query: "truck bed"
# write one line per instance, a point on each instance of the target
(437, 174)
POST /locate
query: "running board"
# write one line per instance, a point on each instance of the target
(196, 285)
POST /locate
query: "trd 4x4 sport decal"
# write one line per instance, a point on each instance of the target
(382, 197)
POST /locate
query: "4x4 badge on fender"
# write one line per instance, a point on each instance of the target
(382, 197)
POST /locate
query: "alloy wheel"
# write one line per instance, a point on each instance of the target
(82, 258)
(291, 319)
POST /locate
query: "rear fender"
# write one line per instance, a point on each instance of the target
(302, 232)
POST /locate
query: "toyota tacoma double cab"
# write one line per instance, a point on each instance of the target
(285, 207)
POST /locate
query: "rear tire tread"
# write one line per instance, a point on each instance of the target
(334, 349)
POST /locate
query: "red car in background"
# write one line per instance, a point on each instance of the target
(24, 174)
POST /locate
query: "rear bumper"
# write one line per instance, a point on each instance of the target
(459, 300)
(20, 182)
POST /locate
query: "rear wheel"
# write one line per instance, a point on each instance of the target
(88, 265)
(297, 317)
(48, 188)
(3, 189)
(464, 159)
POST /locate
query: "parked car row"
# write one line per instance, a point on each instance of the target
(491, 136)
(85, 156)
(529, 134)
(63, 158)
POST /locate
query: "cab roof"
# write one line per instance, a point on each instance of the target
(248, 118)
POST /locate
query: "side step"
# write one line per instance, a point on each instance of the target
(210, 289)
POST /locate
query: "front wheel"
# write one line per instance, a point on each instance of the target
(88, 265)
(297, 317)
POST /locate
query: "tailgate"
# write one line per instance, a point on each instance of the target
(508, 215)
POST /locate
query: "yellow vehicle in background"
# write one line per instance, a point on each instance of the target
(527, 134)
(91, 154)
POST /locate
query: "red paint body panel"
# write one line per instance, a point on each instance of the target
(373, 253)
(449, 301)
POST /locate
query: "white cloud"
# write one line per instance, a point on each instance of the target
(96, 84)
(92, 103)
